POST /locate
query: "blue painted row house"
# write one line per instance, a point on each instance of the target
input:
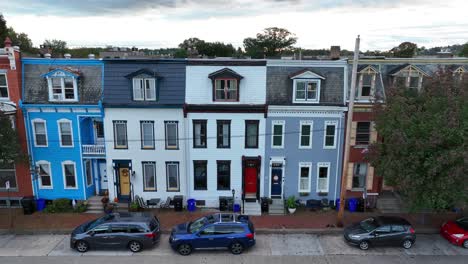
(63, 117)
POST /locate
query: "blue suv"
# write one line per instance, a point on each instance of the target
(218, 231)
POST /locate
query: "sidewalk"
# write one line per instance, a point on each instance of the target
(300, 222)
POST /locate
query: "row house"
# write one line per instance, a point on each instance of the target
(304, 129)
(64, 123)
(145, 128)
(16, 175)
(374, 76)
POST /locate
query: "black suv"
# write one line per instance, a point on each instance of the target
(134, 231)
(381, 231)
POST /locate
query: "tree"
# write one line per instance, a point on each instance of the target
(10, 149)
(196, 46)
(58, 47)
(464, 51)
(271, 42)
(405, 50)
(18, 39)
(424, 144)
(3, 29)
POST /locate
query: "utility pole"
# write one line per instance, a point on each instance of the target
(349, 121)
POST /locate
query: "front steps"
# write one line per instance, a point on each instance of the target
(276, 207)
(252, 208)
(95, 206)
(387, 202)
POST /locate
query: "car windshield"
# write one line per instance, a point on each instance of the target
(197, 224)
(369, 224)
(463, 223)
(97, 222)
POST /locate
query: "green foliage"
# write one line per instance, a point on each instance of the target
(424, 145)
(196, 46)
(64, 205)
(58, 47)
(291, 202)
(10, 148)
(83, 52)
(464, 51)
(18, 39)
(81, 207)
(405, 50)
(270, 43)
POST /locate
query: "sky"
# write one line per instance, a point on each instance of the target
(382, 24)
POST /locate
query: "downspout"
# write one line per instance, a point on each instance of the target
(32, 165)
(187, 155)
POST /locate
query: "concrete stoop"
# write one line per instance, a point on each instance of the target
(276, 207)
(252, 208)
(95, 205)
(388, 202)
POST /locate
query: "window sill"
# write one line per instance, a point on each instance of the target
(148, 148)
(305, 102)
(172, 148)
(40, 146)
(173, 190)
(199, 147)
(150, 190)
(329, 147)
(120, 147)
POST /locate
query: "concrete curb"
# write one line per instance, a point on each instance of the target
(265, 231)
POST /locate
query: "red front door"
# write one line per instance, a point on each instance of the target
(251, 179)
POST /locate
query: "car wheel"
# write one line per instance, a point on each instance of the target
(364, 245)
(184, 249)
(407, 244)
(135, 246)
(236, 248)
(81, 246)
(465, 244)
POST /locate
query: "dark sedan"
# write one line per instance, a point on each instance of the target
(134, 231)
(381, 231)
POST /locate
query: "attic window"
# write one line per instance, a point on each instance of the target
(63, 86)
(366, 86)
(410, 76)
(144, 89)
(225, 85)
(306, 86)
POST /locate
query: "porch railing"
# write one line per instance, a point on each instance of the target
(94, 149)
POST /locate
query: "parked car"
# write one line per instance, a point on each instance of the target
(381, 231)
(218, 231)
(456, 231)
(134, 231)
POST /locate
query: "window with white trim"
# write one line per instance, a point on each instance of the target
(65, 132)
(172, 176)
(329, 141)
(305, 135)
(69, 174)
(3, 86)
(7, 174)
(40, 132)
(62, 88)
(172, 134)
(367, 85)
(359, 175)
(147, 134)
(306, 91)
(144, 89)
(277, 134)
(305, 169)
(45, 176)
(120, 134)
(323, 177)
(149, 175)
(89, 173)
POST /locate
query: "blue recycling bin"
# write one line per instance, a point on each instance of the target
(237, 208)
(352, 204)
(191, 205)
(40, 204)
(337, 204)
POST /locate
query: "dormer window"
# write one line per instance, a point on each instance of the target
(144, 85)
(306, 87)
(366, 88)
(459, 73)
(63, 86)
(409, 76)
(226, 83)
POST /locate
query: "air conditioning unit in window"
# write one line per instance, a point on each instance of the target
(57, 97)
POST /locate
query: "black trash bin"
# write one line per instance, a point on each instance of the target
(223, 203)
(178, 203)
(265, 205)
(28, 205)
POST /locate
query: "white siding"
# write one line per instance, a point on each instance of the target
(134, 152)
(199, 88)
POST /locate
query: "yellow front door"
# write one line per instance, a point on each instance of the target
(124, 177)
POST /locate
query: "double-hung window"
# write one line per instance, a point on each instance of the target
(40, 132)
(120, 134)
(147, 134)
(366, 86)
(69, 174)
(251, 133)
(363, 133)
(223, 133)
(62, 89)
(224, 175)
(200, 178)
(3, 86)
(199, 133)
(359, 175)
(277, 135)
(172, 134)
(306, 91)
(149, 175)
(45, 176)
(226, 90)
(65, 132)
(89, 173)
(323, 177)
(330, 135)
(7, 174)
(172, 176)
(144, 89)
(305, 170)
(305, 136)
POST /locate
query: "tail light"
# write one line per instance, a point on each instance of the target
(411, 230)
(250, 236)
(150, 235)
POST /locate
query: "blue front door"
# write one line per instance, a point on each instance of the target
(276, 181)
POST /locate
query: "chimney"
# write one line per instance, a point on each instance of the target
(7, 42)
(91, 56)
(67, 55)
(47, 55)
(335, 52)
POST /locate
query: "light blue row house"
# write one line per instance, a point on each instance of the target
(63, 118)
(304, 129)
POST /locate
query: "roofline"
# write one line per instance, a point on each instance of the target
(308, 63)
(61, 61)
(412, 60)
(226, 62)
(144, 60)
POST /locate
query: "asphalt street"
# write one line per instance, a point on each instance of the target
(291, 248)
